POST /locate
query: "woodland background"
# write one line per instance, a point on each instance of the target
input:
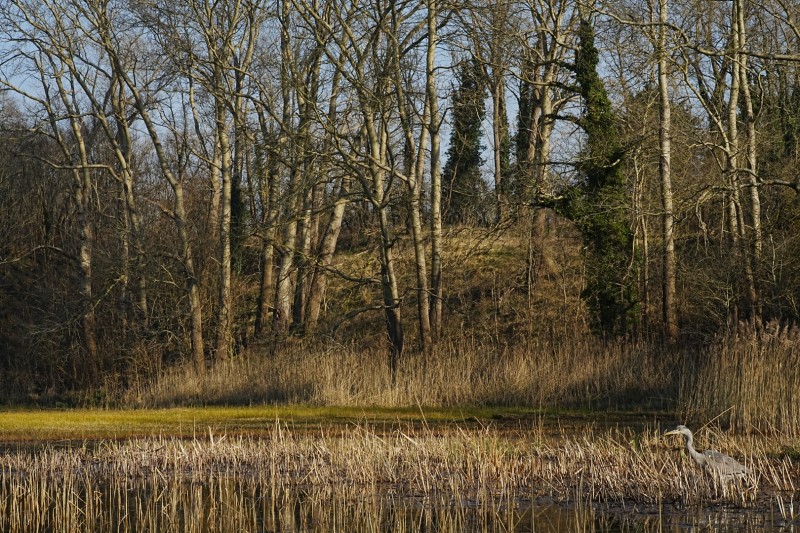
(241, 200)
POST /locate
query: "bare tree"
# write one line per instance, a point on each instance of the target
(546, 49)
(412, 124)
(435, 168)
(360, 48)
(122, 58)
(330, 235)
(47, 46)
(711, 76)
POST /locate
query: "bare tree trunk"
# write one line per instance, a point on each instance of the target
(285, 288)
(83, 190)
(224, 303)
(435, 307)
(265, 284)
(417, 236)
(735, 206)
(302, 257)
(239, 169)
(327, 249)
(307, 207)
(141, 307)
(214, 165)
(668, 308)
(195, 306)
(286, 265)
(267, 170)
(752, 167)
(538, 156)
(414, 168)
(307, 92)
(500, 141)
(391, 295)
(82, 175)
(330, 236)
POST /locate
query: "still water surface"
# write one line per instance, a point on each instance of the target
(224, 504)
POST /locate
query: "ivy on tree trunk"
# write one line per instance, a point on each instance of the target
(599, 204)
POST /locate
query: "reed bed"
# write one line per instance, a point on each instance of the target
(581, 372)
(750, 381)
(364, 477)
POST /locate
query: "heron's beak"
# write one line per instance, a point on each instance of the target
(673, 432)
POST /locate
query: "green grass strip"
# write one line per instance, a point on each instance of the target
(89, 424)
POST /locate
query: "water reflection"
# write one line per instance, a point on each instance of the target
(560, 519)
(256, 504)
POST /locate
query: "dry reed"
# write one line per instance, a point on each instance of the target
(749, 382)
(582, 372)
(362, 477)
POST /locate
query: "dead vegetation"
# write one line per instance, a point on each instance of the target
(368, 475)
(467, 371)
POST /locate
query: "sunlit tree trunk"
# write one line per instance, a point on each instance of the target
(286, 267)
(266, 167)
(82, 193)
(414, 157)
(327, 248)
(751, 157)
(330, 234)
(432, 95)
(669, 315)
(224, 303)
(310, 188)
(123, 149)
(738, 226)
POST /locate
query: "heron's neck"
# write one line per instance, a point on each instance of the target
(697, 456)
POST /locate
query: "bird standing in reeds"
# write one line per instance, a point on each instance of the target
(721, 467)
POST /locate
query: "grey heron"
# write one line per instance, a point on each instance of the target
(718, 465)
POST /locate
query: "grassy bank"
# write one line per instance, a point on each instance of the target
(94, 424)
(749, 383)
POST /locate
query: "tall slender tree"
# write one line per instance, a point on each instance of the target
(668, 305)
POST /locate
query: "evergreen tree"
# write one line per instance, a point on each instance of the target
(599, 204)
(502, 188)
(462, 185)
(519, 185)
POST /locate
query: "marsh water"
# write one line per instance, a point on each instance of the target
(326, 483)
(222, 504)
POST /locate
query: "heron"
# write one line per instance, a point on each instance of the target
(720, 466)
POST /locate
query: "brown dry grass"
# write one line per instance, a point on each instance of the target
(749, 382)
(540, 373)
